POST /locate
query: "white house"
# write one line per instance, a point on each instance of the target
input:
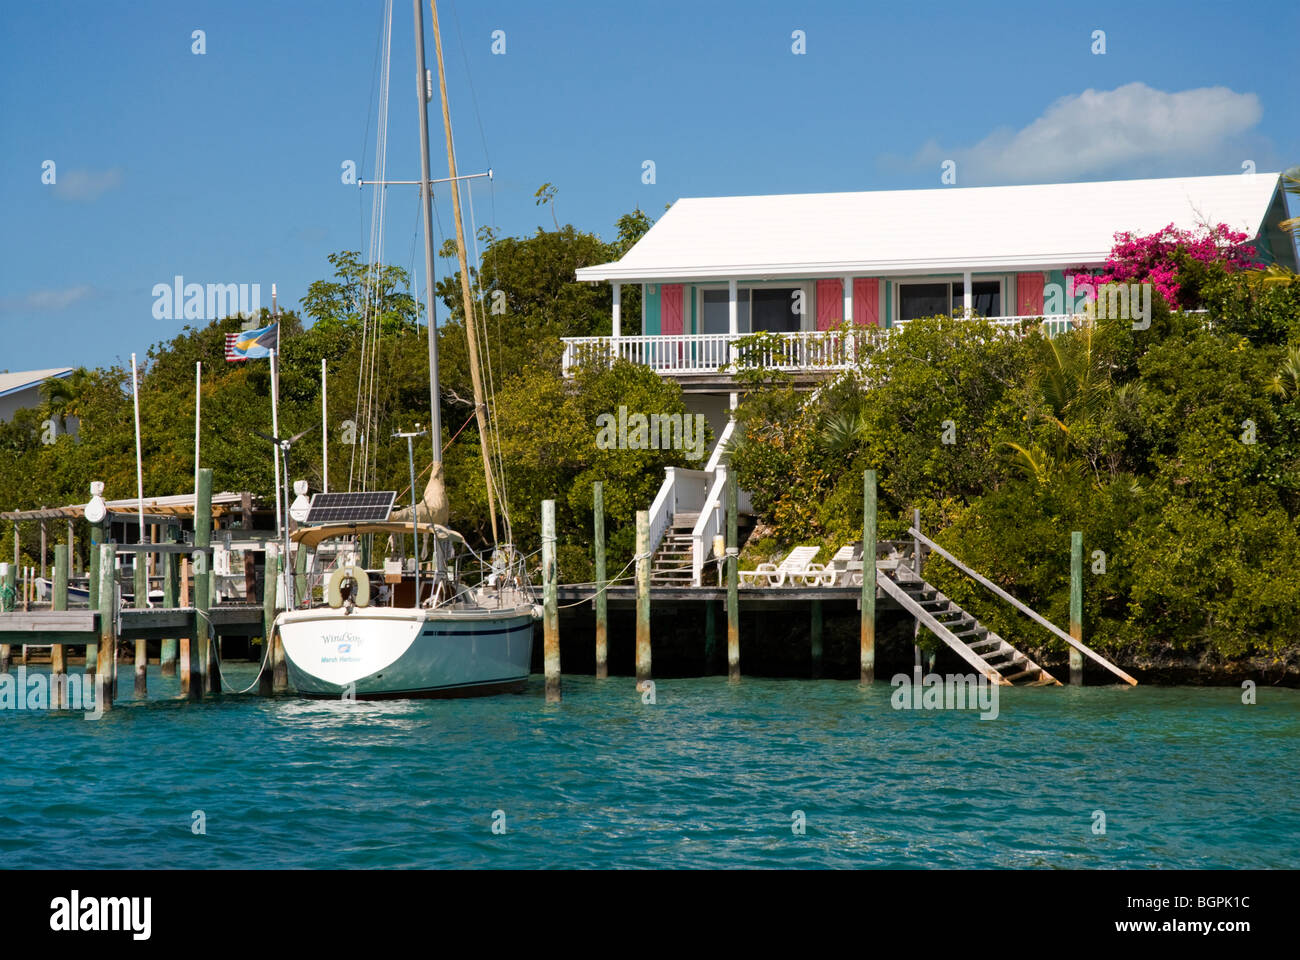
(22, 390)
(715, 269)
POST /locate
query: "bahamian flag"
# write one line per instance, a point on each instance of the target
(252, 344)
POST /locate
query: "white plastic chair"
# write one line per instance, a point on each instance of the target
(796, 566)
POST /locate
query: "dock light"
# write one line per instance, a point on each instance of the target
(96, 510)
(719, 553)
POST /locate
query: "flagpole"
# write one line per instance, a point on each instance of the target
(275, 406)
(324, 430)
(198, 383)
(275, 425)
(139, 462)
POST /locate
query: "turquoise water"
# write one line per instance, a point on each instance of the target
(708, 776)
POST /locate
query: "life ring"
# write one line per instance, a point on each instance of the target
(334, 586)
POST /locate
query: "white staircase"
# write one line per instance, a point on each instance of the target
(688, 512)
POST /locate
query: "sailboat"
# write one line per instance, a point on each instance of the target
(398, 630)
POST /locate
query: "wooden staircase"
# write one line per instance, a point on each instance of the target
(984, 650)
(671, 564)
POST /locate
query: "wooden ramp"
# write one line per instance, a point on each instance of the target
(984, 650)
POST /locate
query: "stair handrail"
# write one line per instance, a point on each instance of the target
(661, 511)
(1036, 617)
(720, 448)
(708, 524)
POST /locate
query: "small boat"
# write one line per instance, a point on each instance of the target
(378, 642)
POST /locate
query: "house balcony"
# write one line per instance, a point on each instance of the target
(710, 360)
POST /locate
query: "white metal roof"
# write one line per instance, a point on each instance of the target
(925, 231)
(11, 382)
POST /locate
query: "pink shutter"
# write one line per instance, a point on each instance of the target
(1029, 294)
(866, 302)
(830, 303)
(670, 309)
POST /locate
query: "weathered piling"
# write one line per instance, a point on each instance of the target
(59, 601)
(279, 665)
(867, 651)
(642, 595)
(141, 646)
(266, 679)
(733, 577)
(602, 601)
(1076, 606)
(96, 538)
(93, 555)
(551, 614)
(916, 569)
(184, 644)
(11, 580)
(815, 637)
(167, 649)
(201, 640)
(106, 663)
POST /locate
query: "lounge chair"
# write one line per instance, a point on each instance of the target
(841, 565)
(796, 566)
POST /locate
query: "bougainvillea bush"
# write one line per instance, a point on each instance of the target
(1161, 259)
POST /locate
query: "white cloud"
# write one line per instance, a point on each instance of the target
(1105, 132)
(47, 299)
(86, 185)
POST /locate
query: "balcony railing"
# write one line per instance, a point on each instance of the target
(803, 351)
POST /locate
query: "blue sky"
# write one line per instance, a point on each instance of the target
(225, 167)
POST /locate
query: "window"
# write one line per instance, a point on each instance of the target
(757, 308)
(931, 299)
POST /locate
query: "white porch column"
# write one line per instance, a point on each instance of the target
(966, 294)
(848, 299)
(733, 325)
(618, 309)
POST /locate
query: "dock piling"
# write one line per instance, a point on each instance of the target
(551, 615)
(266, 679)
(59, 601)
(642, 595)
(106, 662)
(141, 646)
(1076, 606)
(733, 578)
(183, 644)
(867, 652)
(602, 601)
(279, 665)
(200, 641)
(167, 649)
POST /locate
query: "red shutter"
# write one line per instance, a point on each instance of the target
(1029, 294)
(866, 302)
(670, 309)
(830, 303)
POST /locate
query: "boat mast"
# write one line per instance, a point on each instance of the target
(426, 205)
(471, 334)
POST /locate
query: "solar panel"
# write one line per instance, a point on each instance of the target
(366, 506)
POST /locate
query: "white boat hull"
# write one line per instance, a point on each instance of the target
(378, 652)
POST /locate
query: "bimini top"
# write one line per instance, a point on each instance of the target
(312, 537)
(941, 229)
